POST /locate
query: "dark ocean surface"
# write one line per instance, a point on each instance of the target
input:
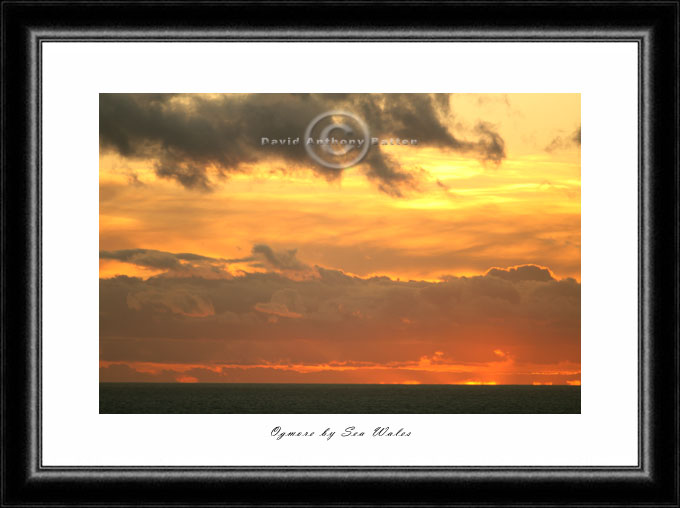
(220, 398)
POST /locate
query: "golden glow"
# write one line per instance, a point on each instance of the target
(414, 372)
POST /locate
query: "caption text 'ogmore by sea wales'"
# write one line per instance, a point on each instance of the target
(351, 431)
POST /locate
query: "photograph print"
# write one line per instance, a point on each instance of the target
(339, 253)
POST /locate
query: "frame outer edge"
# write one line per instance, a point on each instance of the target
(33, 479)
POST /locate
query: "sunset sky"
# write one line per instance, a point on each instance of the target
(456, 260)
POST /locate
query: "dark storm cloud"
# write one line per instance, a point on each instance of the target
(194, 139)
(188, 264)
(490, 144)
(388, 176)
(190, 175)
(281, 260)
(520, 273)
(562, 142)
(160, 260)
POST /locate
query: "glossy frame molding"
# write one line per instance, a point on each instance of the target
(653, 25)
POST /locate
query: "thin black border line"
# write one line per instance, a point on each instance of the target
(367, 3)
(361, 471)
(291, 36)
(677, 236)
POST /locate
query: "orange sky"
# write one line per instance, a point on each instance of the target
(453, 261)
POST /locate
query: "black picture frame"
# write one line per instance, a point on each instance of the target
(653, 25)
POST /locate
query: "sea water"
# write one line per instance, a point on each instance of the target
(261, 398)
